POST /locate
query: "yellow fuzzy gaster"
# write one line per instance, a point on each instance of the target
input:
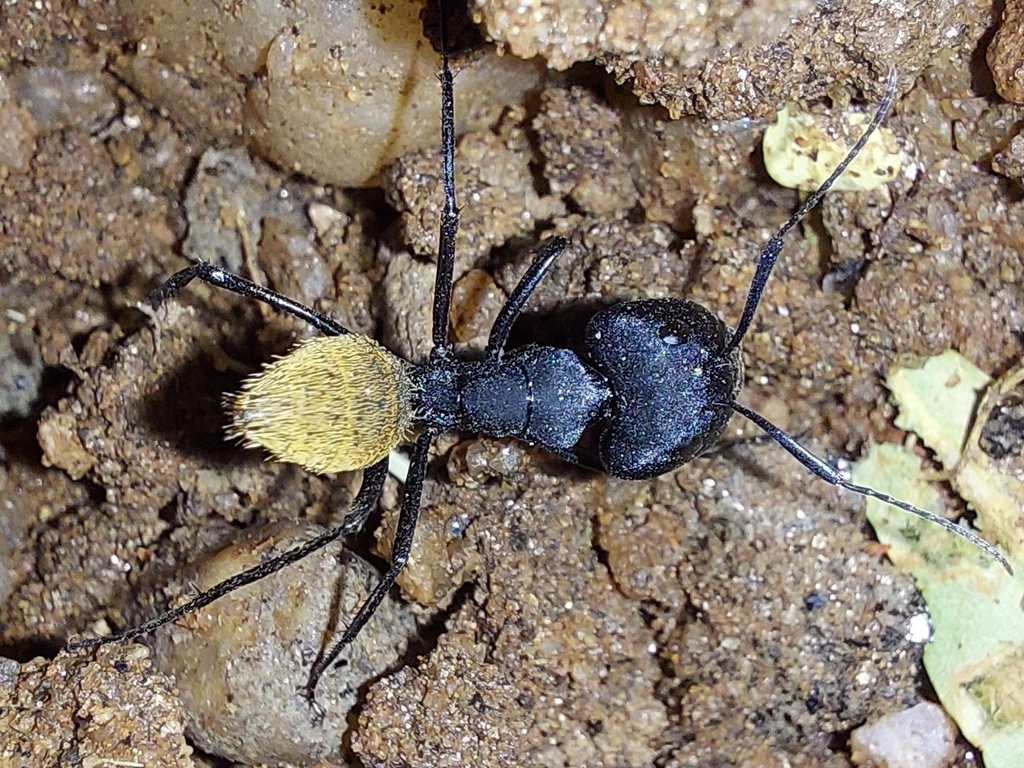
(332, 404)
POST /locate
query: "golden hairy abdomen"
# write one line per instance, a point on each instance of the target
(334, 403)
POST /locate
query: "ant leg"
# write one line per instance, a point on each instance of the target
(540, 266)
(770, 253)
(399, 555)
(450, 214)
(366, 500)
(832, 475)
(218, 277)
(362, 506)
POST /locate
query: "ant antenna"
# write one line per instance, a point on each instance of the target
(832, 475)
(770, 253)
(766, 261)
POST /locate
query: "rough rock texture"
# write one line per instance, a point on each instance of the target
(113, 709)
(920, 737)
(1005, 53)
(335, 91)
(241, 663)
(730, 60)
(733, 612)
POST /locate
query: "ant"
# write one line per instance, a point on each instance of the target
(655, 390)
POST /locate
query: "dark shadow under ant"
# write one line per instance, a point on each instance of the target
(655, 389)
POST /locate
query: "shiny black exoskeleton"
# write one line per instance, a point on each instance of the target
(651, 393)
(655, 389)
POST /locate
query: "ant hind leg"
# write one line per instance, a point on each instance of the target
(400, 549)
(217, 277)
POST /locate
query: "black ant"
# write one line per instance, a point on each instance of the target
(656, 389)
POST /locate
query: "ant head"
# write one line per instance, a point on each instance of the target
(332, 404)
(668, 362)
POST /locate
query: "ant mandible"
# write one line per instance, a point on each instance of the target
(656, 389)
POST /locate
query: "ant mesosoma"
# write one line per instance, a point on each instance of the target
(656, 390)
